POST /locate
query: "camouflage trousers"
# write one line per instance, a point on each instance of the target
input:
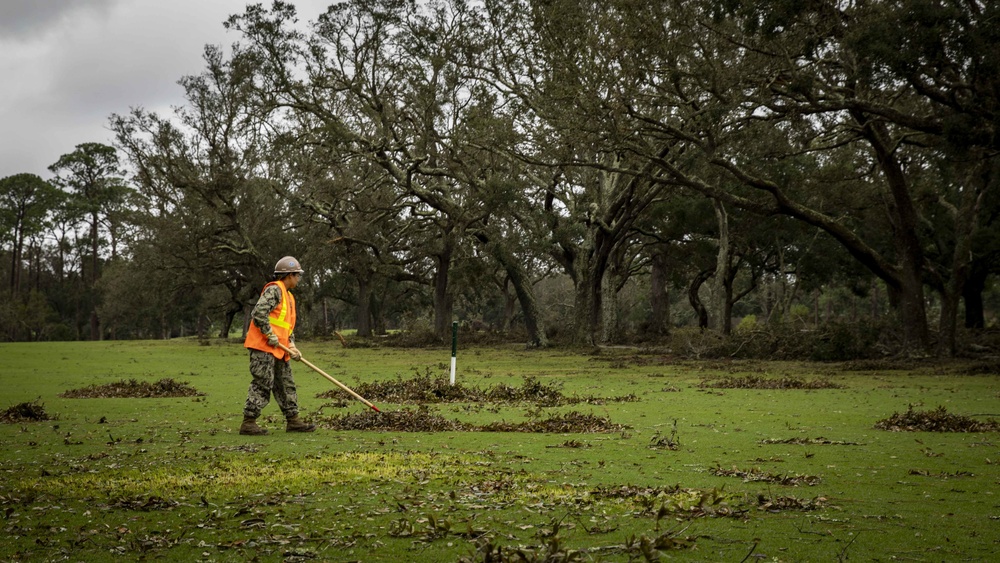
(270, 375)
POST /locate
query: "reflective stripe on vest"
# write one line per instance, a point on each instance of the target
(279, 320)
(282, 321)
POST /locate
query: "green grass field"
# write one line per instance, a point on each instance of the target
(699, 474)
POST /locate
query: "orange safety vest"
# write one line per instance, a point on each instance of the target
(282, 319)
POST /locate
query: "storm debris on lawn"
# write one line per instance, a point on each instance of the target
(25, 412)
(144, 504)
(420, 420)
(571, 444)
(675, 501)
(633, 492)
(941, 474)
(985, 367)
(760, 382)
(134, 389)
(810, 442)
(671, 442)
(781, 504)
(571, 422)
(427, 389)
(937, 420)
(757, 475)
(423, 420)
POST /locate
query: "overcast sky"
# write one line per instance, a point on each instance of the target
(67, 65)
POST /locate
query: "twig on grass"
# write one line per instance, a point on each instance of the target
(752, 549)
(842, 556)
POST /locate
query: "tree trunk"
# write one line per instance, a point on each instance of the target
(909, 282)
(659, 298)
(15, 262)
(227, 322)
(364, 318)
(442, 296)
(695, 300)
(721, 294)
(378, 315)
(972, 295)
(965, 217)
(611, 329)
(522, 288)
(95, 324)
(509, 308)
(587, 305)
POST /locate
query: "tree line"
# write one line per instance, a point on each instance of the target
(595, 172)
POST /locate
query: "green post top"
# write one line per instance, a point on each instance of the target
(454, 338)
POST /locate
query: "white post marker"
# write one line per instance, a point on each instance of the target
(454, 346)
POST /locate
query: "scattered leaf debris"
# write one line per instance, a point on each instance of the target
(761, 382)
(810, 442)
(937, 420)
(571, 444)
(25, 412)
(940, 474)
(134, 389)
(423, 420)
(757, 475)
(406, 420)
(782, 504)
(144, 504)
(424, 389)
(571, 422)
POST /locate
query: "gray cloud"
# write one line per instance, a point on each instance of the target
(69, 64)
(25, 20)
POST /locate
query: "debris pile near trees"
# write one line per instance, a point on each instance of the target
(423, 420)
(937, 420)
(25, 412)
(760, 382)
(134, 389)
(424, 389)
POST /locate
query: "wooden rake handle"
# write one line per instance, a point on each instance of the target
(328, 376)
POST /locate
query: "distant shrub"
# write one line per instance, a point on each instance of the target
(840, 342)
(747, 323)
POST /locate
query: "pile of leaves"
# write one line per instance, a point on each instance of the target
(781, 504)
(810, 442)
(757, 475)
(25, 412)
(425, 389)
(760, 382)
(423, 420)
(571, 422)
(420, 420)
(134, 389)
(937, 420)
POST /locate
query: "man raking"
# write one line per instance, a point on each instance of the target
(272, 324)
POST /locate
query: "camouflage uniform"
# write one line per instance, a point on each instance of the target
(269, 373)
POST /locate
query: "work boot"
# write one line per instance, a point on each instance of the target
(250, 428)
(296, 424)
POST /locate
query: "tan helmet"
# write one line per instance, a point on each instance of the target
(288, 265)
